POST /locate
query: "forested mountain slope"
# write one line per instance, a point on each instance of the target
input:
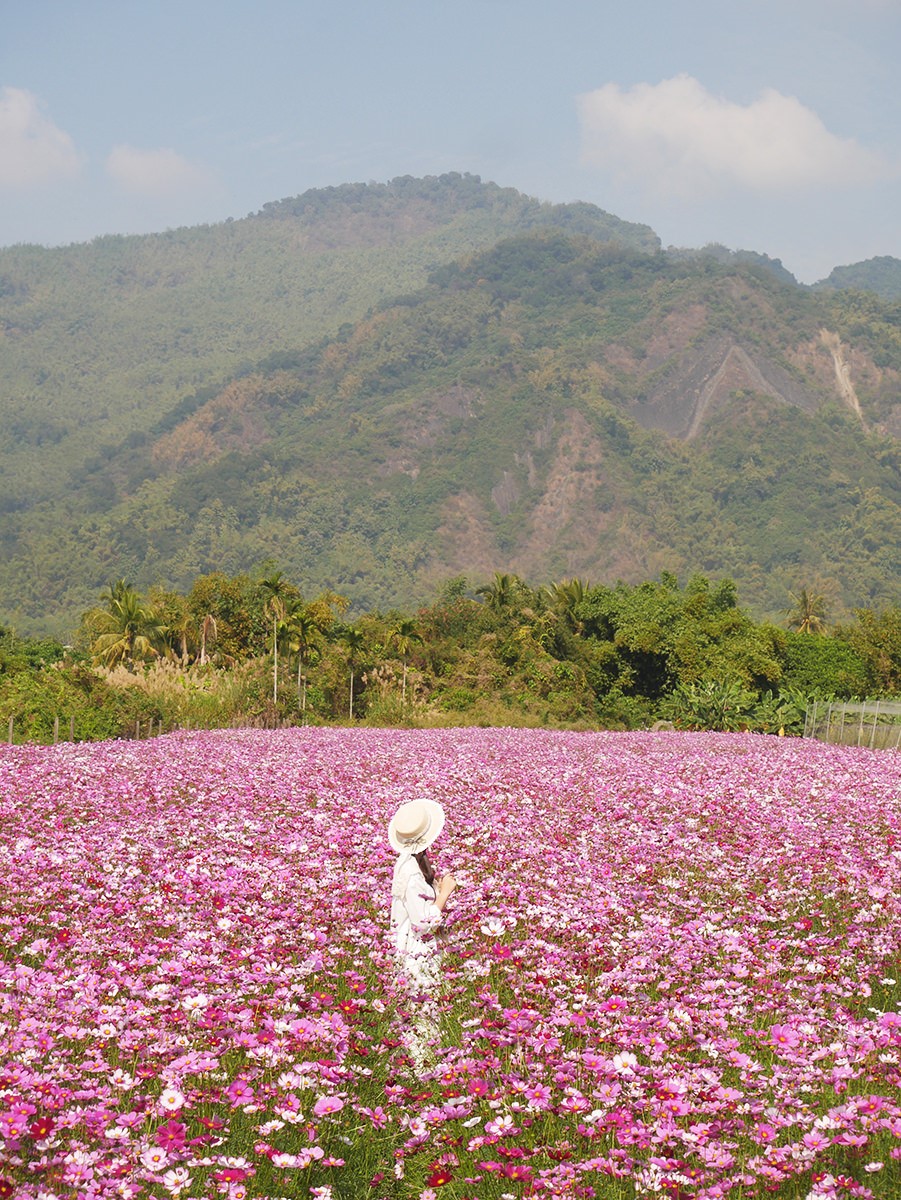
(881, 276)
(549, 406)
(98, 341)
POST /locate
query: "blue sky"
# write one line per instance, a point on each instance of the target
(765, 125)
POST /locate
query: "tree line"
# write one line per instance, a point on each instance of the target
(253, 649)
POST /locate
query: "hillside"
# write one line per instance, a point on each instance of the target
(99, 341)
(881, 275)
(549, 406)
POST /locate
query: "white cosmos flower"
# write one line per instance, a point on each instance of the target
(624, 1062)
(493, 927)
(176, 1179)
(171, 1099)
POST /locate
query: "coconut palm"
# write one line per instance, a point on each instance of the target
(301, 631)
(129, 630)
(353, 639)
(500, 593)
(808, 612)
(404, 635)
(276, 585)
(181, 629)
(565, 596)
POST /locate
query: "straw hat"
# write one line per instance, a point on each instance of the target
(415, 826)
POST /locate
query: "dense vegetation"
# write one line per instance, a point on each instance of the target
(567, 401)
(252, 650)
(880, 275)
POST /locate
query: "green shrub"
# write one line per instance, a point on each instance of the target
(713, 704)
(457, 699)
(823, 666)
(36, 700)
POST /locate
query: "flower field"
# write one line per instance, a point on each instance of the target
(669, 970)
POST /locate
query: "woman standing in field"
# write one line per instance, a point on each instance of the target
(417, 910)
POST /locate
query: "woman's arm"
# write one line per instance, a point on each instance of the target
(445, 887)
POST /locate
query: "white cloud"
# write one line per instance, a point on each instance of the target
(677, 137)
(32, 149)
(158, 173)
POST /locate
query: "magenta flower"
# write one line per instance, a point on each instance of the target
(239, 1092)
(171, 1136)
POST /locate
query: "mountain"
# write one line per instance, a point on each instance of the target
(882, 276)
(100, 340)
(722, 254)
(568, 400)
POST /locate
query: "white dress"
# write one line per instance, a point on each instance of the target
(414, 919)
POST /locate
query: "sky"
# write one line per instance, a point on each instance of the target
(767, 125)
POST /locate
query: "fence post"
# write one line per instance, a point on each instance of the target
(137, 729)
(56, 729)
(10, 738)
(873, 731)
(72, 728)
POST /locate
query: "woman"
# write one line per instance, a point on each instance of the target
(417, 906)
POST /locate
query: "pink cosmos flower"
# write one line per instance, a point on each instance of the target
(784, 1037)
(815, 1140)
(377, 1116)
(154, 1158)
(13, 1125)
(538, 1096)
(239, 1092)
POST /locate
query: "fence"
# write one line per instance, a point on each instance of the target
(142, 729)
(66, 730)
(875, 724)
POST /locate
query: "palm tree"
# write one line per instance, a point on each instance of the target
(499, 594)
(181, 630)
(808, 612)
(301, 631)
(353, 639)
(565, 596)
(404, 635)
(276, 586)
(129, 629)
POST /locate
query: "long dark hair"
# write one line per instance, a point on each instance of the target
(428, 871)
